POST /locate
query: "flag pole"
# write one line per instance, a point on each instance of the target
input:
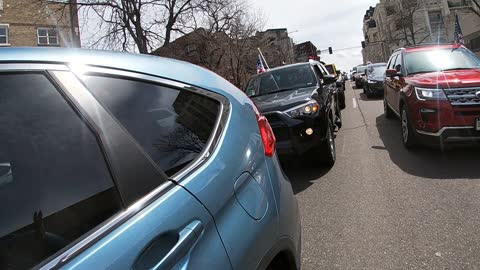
(261, 54)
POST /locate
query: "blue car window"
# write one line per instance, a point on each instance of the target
(172, 126)
(54, 182)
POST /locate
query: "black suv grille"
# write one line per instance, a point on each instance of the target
(463, 96)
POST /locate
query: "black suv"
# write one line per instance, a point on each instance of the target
(301, 103)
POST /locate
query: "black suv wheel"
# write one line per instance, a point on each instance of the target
(328, 149)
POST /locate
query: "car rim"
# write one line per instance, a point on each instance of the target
(404, 126)
(331, 142)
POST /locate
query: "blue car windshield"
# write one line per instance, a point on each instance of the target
(440, 60)
(281, 80)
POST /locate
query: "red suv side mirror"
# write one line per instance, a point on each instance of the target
(391, 72)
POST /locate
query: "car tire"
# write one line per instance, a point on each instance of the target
(407, 132)
(328, 149)
(386, 109)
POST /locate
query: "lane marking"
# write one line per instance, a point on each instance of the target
(355, 105)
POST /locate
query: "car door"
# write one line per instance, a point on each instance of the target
(388, 82)
(86, 194)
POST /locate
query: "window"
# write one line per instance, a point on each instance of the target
(3, 34)
(436, 20)
(398, 63)
(391, 63)
(475, 44)
(47, 36)
(49, 197)
(459, 3)
(172, 126)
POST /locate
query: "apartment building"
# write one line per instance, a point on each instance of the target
(392, 24)
(39, 23)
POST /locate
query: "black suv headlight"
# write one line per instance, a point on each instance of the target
(308, 108)
(430, 94)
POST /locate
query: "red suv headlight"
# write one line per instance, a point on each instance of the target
(430, 94)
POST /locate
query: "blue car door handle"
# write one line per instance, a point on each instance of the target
(167, 249)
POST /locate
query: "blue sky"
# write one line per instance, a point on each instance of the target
(327, 23)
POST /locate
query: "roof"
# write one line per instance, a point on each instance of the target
(152, 65)
(431, 47)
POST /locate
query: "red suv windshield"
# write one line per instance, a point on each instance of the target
(440, 60)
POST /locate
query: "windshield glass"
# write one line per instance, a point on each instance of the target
(281, 80)
(438, 60)
(376, 71)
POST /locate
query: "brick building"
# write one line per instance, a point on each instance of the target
(235, 60)
(38, 23)
(305, 51)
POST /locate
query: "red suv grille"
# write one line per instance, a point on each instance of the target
(463, 96)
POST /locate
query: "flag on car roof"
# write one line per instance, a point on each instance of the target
(260, 67)
(458, 32)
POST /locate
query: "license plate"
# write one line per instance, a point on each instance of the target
(477, 126)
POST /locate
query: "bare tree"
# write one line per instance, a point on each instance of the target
(408, 27)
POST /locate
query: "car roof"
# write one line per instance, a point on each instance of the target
(152, 65)
(431, 47)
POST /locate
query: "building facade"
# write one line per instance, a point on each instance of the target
(38, 23)
(392, 24)
(305, 51)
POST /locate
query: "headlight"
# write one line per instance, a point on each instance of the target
(308, 108)
(430, 94)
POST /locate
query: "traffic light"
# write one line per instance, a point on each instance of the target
(330, 50)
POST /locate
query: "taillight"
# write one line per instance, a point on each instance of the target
(266, 132)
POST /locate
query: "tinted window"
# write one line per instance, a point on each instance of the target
(54, 183)
(172, 126)
(437, 60)
(285, 79)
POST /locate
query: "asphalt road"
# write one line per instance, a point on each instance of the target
(383, 207)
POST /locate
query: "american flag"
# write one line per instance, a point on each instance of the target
(458, 32)
(260, 67)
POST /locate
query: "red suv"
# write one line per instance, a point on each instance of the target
(435, 90)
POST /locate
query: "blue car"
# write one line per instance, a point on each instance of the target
(121, 161)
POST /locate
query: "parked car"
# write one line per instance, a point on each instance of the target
(332, 69)
(124, 161)
(301, 103)
(359, 76)
(373, 80)
(435, 90)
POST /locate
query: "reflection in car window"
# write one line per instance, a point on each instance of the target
(172, 126)
(283, 79)
(54, 182)
(441, 59)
